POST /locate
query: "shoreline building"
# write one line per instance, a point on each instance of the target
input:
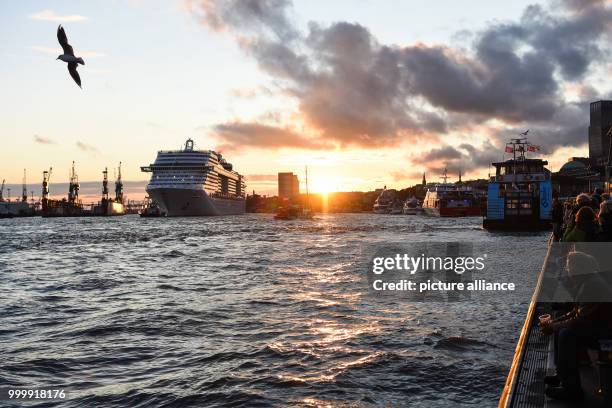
(288, 186)
(599, 131)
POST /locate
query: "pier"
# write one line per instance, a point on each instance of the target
(534, 355)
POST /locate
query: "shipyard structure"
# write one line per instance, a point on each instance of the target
(72, 206)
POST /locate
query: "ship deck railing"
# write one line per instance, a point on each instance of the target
(534, 355)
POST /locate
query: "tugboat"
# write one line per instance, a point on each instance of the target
(520, 192)
(151, 209)
(451, 200)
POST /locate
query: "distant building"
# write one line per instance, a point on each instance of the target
(599, 138)
(578, 175)
(288, 185)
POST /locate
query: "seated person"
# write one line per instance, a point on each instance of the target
(589, 319)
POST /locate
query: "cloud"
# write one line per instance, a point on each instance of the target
(50, 15)
(58, 51)
(43, 140)
(351, 90)
(272, 178)
(240, 135)
(406, 175)
(86, 147)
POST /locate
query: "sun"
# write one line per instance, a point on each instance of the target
(321, 186)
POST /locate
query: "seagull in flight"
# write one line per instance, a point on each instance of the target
(68, 55)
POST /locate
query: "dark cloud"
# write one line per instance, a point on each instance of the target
(43, 140)
(353, 91)
(86, 147)
(238, 135)
(463, 157)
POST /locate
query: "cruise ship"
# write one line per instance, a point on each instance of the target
(192, 182)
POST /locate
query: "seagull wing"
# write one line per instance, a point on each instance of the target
(72, 68)
(63, 40)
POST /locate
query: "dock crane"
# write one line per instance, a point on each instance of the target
(74, 187)
(24, 190)
(119, 186)
(45, 187)
(2, 191)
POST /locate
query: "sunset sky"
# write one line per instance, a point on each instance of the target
(365, 92)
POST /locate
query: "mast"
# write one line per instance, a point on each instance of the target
(307, 196)
(444, 175)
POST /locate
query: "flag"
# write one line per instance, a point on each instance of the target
(509, 149)
(533, 148)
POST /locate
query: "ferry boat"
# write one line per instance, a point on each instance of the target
(192, 182)
(384, 202)
(450, 200)
(520, 192)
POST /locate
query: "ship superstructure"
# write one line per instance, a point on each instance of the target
(450, 200)
(191, 182)
(520, 193)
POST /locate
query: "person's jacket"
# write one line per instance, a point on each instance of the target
(576, 234)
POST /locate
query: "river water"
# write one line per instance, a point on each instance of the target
(247, 311)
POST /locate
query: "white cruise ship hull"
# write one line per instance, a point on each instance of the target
(179, 202)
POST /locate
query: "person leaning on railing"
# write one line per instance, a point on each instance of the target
(585, 227)
(569, 215)
(589, 319)
(605, 220)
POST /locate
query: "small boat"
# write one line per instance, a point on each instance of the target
(384, 202)
(411, 207)
(151, 209)
(295, 211)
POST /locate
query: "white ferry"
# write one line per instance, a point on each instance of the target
(451, 200)
(520, 192)
(192, 182)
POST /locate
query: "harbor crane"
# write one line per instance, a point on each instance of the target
(2, 191)
(45, 185)
(119, 186)
(24, 190)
